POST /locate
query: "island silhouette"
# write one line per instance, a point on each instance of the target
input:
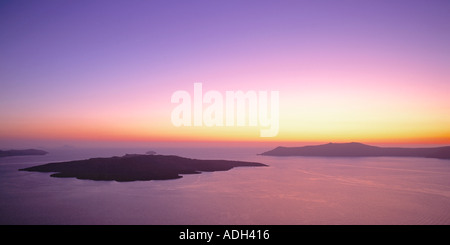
(27, 152)
(132, 167)
(355, 149)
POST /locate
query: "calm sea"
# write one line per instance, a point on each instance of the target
(291, 190)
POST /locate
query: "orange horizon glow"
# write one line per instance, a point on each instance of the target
(340, 77)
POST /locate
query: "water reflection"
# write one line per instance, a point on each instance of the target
(292, 190)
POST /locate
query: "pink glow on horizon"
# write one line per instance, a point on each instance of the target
(378, 74)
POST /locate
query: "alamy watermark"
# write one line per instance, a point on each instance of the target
(227, 110)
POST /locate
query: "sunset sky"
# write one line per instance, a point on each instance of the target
(88, 71)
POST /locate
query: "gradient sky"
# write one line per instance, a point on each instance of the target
(368, 71)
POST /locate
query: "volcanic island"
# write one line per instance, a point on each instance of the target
(134, 167)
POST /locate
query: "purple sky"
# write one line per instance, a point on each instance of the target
(60, 59)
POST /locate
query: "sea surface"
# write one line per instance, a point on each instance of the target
(290, 191)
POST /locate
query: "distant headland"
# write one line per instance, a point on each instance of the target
(132, 167)
(27, 152)
(359, 150)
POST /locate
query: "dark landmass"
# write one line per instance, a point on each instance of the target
(150, 152)
(359, 150)
(27, 152)
(132, 167)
